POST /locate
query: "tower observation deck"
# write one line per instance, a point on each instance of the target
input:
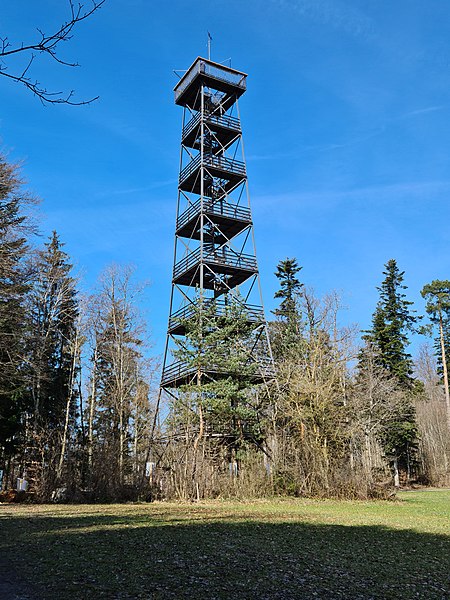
(214, 257)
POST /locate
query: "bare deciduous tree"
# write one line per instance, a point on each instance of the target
(47, 44)
(119, 412)
(434, 441)
(376, 399)
(312, 429)
(437, 295)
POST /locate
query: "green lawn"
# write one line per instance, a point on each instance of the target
(265, 549)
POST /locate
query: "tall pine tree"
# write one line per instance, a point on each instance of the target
(13, 289)
(391, 322)
(286, 332)
(220, 410)
(290, 286)
(52, 356)
(388, 340)
(223, 341)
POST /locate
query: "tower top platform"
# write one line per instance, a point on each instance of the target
(213, 75)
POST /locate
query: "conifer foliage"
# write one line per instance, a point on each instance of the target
(387, 341)
(220, 340)
(53, 356)
(286, 331)
(14, 285)
(53, 312)
(391, 322)
(290, 287)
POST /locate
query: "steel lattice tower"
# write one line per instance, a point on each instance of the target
(214, 255)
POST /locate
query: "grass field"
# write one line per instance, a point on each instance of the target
(266, 549)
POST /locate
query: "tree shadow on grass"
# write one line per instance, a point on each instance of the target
(155, 557)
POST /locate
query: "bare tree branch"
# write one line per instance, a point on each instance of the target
(48, 44)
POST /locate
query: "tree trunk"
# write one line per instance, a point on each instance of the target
(68, 403)
(135, 445)
(64, 438)
(368, 448)
(198, 437)
(121, 440)
(92, 411)
(444, 367)
(396, 473)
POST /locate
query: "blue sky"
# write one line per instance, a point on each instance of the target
(346, 128)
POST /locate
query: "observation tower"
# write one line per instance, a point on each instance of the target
(214, 257)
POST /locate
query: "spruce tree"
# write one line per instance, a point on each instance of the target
(13, 289)
(388, 340)
(391, 321)
(222, 342)
(286, 332)
(290, 287)
(53, 358)
(54, 310)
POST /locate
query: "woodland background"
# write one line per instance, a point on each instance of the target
(349, 413)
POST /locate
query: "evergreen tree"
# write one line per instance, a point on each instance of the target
(391, 321)
(222, 343)
(13, 288)
(53, 356)
(219, 412)
(290, 287)
(286, 332)
(54, 311)
(399, 438)
(387, 342)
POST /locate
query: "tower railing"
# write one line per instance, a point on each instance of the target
(235, 167)
(253, 313)
(220, 257)
(191, 125)
(180, 370)
(226, 121)
(224, 209)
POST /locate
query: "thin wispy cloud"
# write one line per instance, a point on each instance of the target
(377, 195)
(119, 125)
(333, 13)
(316, 149)
(422, 111)
(269, 156)
(136, 190)
(353, 141)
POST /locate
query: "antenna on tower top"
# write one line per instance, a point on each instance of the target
(209, 45)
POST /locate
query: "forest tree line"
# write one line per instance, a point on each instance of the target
(348, 413)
